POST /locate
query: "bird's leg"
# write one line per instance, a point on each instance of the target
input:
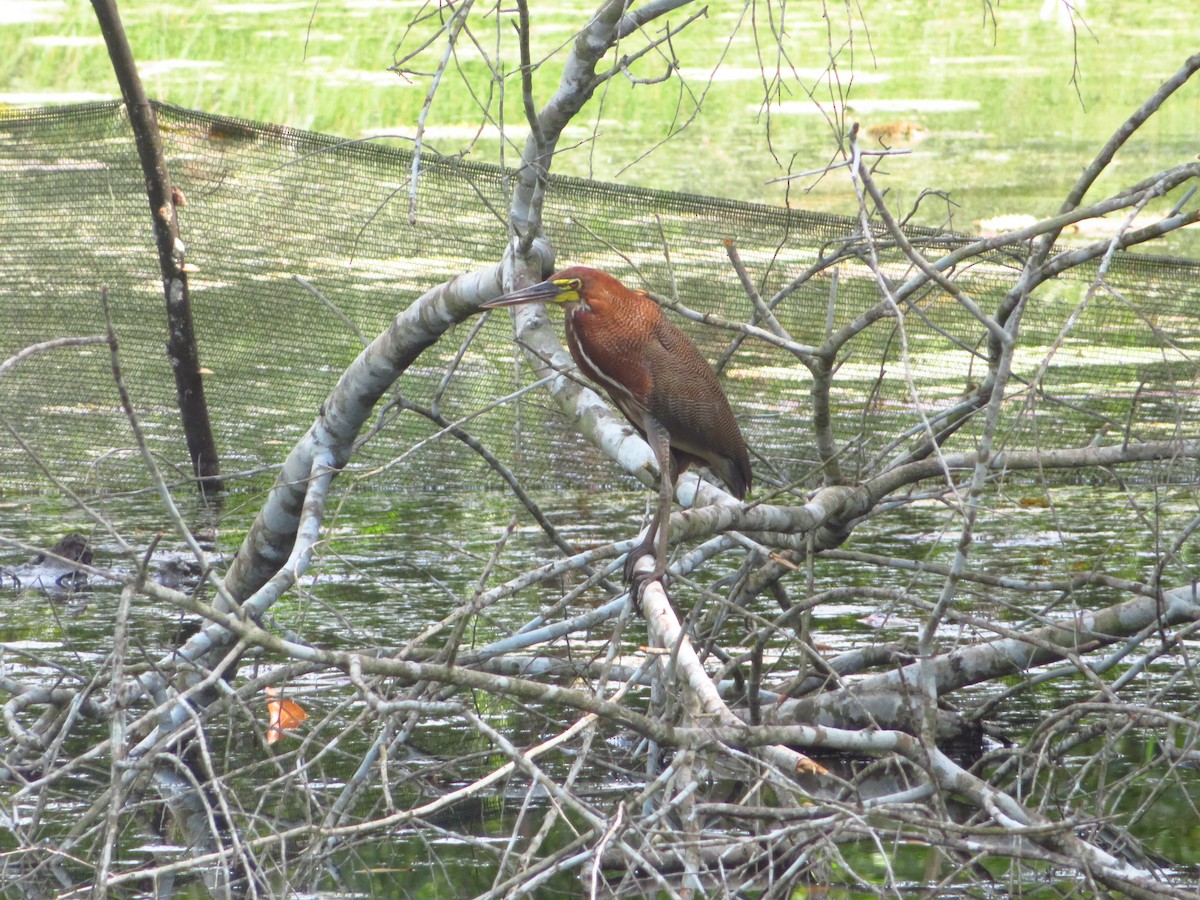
(658, 534)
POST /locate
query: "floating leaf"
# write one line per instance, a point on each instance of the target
(282, 715)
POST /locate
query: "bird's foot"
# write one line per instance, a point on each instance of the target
(645, 548)
(638, 577)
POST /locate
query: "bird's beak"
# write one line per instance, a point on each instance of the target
(542, 292)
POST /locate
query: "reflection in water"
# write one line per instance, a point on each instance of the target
(390, 569)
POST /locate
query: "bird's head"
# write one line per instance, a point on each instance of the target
(578, 284)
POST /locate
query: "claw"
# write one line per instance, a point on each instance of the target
(645, 548)
(637, 579)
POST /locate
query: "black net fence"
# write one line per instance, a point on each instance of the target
(302, 243)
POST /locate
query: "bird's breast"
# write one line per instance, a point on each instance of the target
(609, 348)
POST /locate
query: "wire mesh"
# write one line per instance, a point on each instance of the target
(267, 206)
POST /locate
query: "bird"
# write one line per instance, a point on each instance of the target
(623, 342)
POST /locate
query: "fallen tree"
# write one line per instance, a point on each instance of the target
(729, 795)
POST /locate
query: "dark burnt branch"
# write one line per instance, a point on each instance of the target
(181, 343)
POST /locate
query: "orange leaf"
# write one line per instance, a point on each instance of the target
(282, 715)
